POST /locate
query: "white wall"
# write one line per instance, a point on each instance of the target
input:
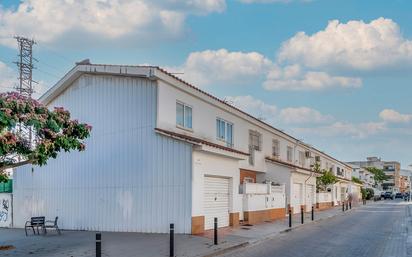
(324, 197)
(214, 165)
(128, 179)
(204, 127)
(6, 210)
(305, 180)
(274, 198)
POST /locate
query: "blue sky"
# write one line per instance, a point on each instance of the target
(333, 73)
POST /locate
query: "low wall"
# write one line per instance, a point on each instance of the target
(324, 200)
(261, 205)
(255, 217)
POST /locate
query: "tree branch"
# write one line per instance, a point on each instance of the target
(15, 165)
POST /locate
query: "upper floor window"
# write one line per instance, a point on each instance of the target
(301, 158)
(255, 140)
(289, 154)
(224, 131)
(275, 148)
(183, 115)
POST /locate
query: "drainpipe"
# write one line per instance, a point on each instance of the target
(311, 175)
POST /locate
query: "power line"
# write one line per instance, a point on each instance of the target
(65, 58)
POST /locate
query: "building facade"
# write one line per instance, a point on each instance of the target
(390, 168)
(367, 178)
(405, 180)
(163, 151)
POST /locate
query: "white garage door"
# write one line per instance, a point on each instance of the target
(216, 201)
(297, 197)
(309, 197)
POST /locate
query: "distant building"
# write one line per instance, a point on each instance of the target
(367, 178)
(405, 180)
(391, 169)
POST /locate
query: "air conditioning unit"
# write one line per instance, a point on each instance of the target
(317, 158)
(308, 154)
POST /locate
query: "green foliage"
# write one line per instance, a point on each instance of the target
(51, 130)
(367, 193)
(364, 193)
(327, 178)
(357, 180)
(378, 174)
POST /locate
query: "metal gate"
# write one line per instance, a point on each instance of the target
(216, 201)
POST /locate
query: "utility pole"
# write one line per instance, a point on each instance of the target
(25, 65)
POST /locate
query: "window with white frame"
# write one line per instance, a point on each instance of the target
(255, 140)
(183, 115)
(289, 154)
(224, 131)
(275, 148)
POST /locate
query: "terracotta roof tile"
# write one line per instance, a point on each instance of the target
(200, 141)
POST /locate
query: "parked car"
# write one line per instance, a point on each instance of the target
(383, 194)
(399, 195)
(378, 195)
(389, 195)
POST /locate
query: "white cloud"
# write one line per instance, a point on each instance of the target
(221, 66)
(9, 81)
(303, 115)
(8, 78)
(271, 114)
(392, 116)
(342, 129)
(254, 106)
(353, 45)
(292, 77)
(48, 21)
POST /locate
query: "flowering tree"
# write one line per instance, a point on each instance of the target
(30, 133)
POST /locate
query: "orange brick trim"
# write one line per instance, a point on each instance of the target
(234, 219)
(255, 217)
(247, 173)
(198, 225)
(324, 206)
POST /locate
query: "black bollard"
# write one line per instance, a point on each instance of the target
(301, 215)
(215, 235)
(172, 240)
(98, 245)
(290, 217)
(313, 213)
(347, 205)
(343, 206)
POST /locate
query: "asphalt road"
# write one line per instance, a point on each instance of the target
(379, 230)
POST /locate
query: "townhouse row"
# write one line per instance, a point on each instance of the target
(163, 151)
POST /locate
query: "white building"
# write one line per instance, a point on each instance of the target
(364, 175)
(163, 151)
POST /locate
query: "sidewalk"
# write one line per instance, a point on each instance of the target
(82, 243)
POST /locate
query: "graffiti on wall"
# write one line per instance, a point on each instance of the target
(5, 210)
(4, 213)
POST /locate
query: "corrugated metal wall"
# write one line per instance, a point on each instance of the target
(128, 179)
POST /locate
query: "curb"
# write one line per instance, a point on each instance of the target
(272, 235)
(225, 250)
